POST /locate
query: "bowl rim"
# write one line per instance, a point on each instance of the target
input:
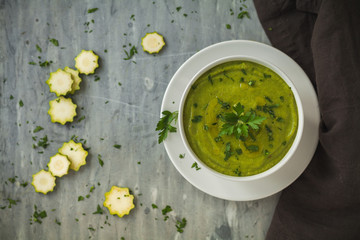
(298, 101)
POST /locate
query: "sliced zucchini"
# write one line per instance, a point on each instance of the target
(119, 201)
(152, 42)
(43, 182)
(86, 62)
(75, 77)
(75, 153)
(59, 165)
(62, 110)
(60, 82)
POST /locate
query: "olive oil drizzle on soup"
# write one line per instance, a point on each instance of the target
(263, 94)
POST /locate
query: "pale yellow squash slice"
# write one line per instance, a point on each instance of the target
(152, 42)
(76, 79)
(62, 110)
(43, 182)
(75, 153)
(60, 82)
(86, 62)
(58, 165)
(119, 201)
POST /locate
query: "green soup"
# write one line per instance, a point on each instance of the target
(214, 98)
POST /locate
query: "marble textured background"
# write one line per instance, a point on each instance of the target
(125, 115)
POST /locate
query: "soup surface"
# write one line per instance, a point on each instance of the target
(240, 118)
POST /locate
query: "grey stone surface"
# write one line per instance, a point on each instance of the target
(125, 115)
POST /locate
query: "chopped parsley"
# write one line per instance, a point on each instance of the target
(197, 119)
(164, 124)
(180, 225)
(227, 151)
(99, 210)
(12, 202)
(80, 198)
(38, 48)
(92, 10)
(54, 41)
(57, 222)
(238, 122)
(38, 129)
(101, 162)
(195, 165)
(81, 118)
(182, 155)
(154, 206)
(129, 55)
(21, 103)
(38, 215)
(97, 78)
(32, 63)
(117, 146)
(178, 8)
(228, 26)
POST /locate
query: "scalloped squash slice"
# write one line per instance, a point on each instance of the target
(86, 62)
(119, 201)
(60, 82)
(152, 42)
(75, 153)
(43, 181)
(62, 110)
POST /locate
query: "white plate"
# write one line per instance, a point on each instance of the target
(249, 190)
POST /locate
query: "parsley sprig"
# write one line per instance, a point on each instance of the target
(164, 125)
(239, 122)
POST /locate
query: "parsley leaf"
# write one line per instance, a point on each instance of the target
(99, 210)
(54, 41)
(133, 51)
(180, 225)
(38, 129)
(91, 10)
(240, 122)
(101, 162)
(164, 125)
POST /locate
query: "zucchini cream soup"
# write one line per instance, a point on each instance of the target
(240, 118)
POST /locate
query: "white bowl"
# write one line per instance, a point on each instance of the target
(299, 104)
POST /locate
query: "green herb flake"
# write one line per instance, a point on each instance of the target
(101, 162)
(180, 225)
(97, 78)
(38, 48)
(182, 155)
(251, 83)
(154, 206)
(228, 26)
(252, 148)
(195, 165)
(164, 124)
(227, 151)
(206, 127)
(166, 210)
(24, 184)
(178, 8)
(11, 97)
(87, 196)
(117, 146)
(92, 10)
(99, 210)
(21, 103)
(12, 202)
(54, 41)
(12, 180)
(129, 55)
(43, 142)
(38, 129)
(45, 63)
(238, 151)
(270, 28)
(57, 222)
(32, 63)
(80, 198)
(38, 215)
(197, 119)
(119, 83)
(91, 229)
(243, 14)
(238, 122)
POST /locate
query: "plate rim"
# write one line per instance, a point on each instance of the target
(171, 104)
